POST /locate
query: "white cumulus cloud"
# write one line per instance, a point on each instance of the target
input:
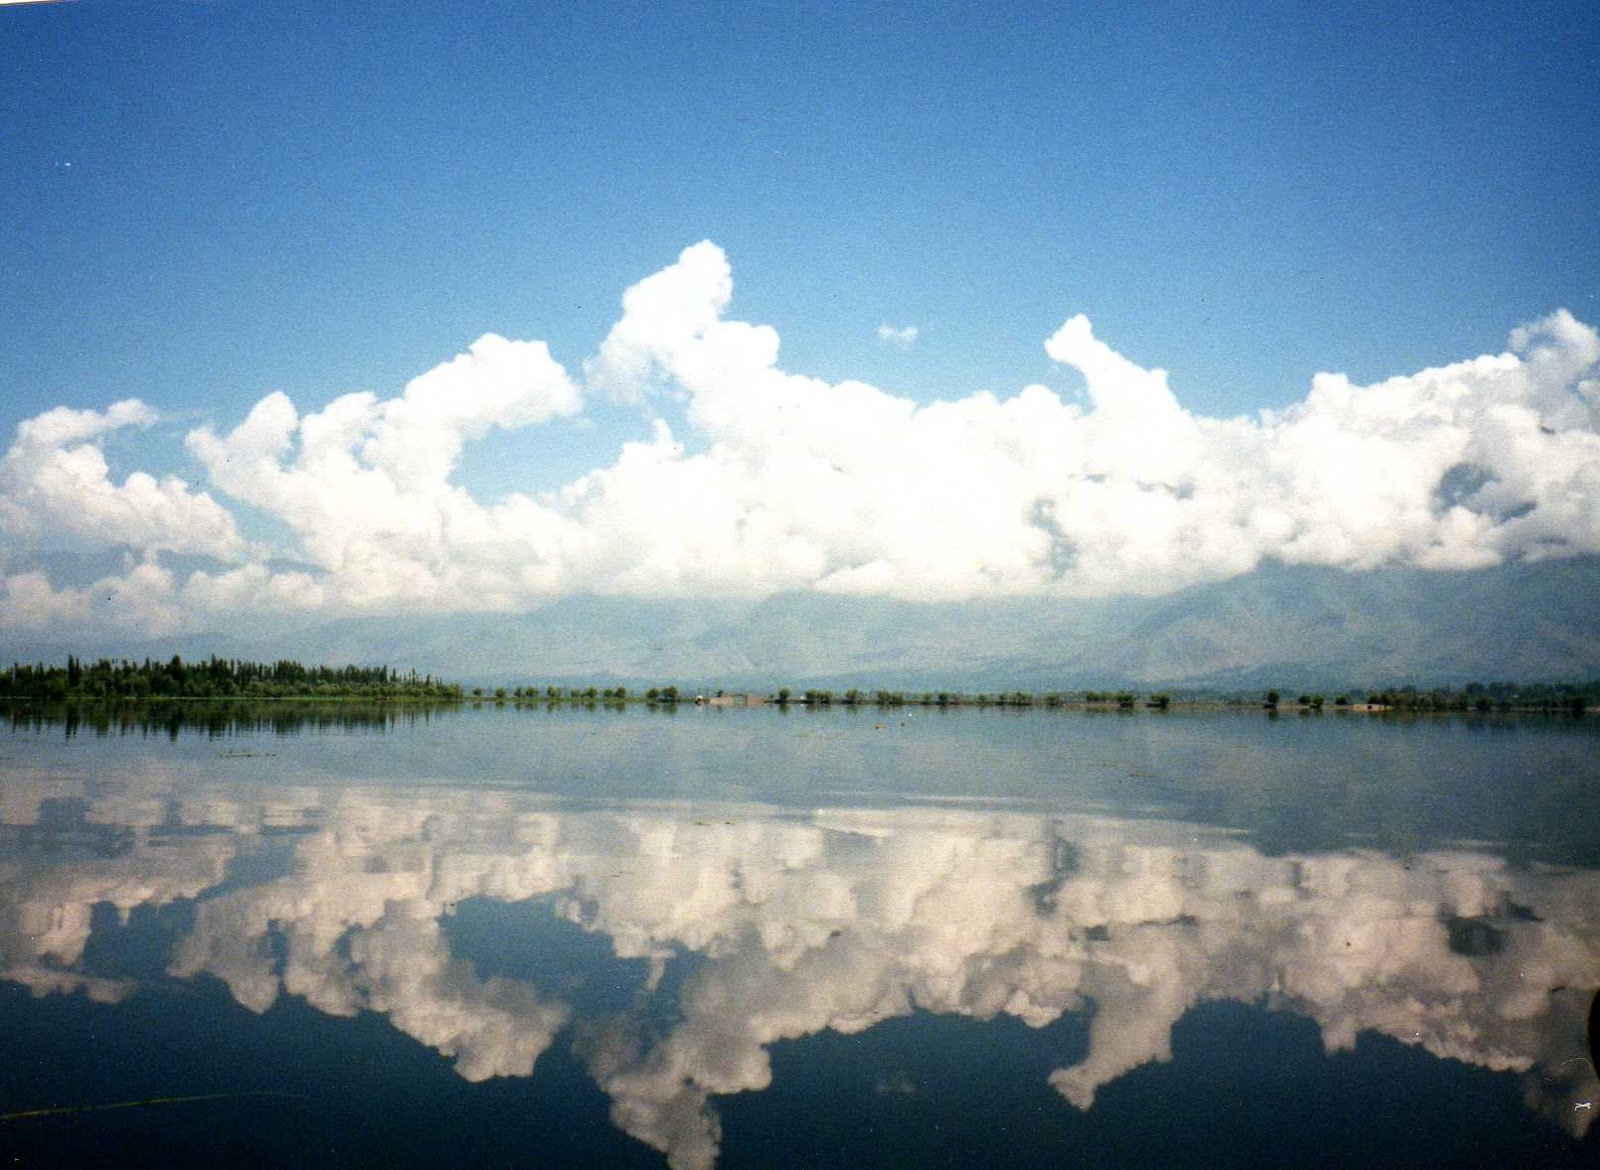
(797, 483)
(55, 482)
(365, 484)
(747, 478)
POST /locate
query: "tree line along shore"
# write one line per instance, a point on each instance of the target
(110, 680)
(1547, 697)
(218, 678)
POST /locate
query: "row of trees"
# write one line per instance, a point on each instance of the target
(1049, 699)
(1485, 697)
(553, 694)
(1500, 696)
(815, 697)
(533, 694)
(220, 678)
(215, 678)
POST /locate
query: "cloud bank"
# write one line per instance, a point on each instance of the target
(749, 479)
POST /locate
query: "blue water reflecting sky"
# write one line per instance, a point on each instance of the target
(512, 950)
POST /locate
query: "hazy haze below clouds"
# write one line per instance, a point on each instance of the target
(750, 480)
(1287, 627)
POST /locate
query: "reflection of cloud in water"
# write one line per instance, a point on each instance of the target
(834, 921)
(104, 853)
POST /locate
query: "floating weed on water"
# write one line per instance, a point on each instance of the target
(63, 1110)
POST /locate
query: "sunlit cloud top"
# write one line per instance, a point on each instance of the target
(746, 478)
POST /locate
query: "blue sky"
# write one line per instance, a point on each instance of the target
(205, 203)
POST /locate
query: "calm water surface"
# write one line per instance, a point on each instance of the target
(747, 938)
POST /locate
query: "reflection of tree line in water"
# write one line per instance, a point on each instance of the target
(219, 717)
(215, 718)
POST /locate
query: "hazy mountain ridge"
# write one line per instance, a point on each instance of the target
(1283, 626)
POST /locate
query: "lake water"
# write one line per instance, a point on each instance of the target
(701, 938)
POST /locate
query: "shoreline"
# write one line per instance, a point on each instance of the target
(24, 703)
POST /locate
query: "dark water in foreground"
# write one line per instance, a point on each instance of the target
(743, 938)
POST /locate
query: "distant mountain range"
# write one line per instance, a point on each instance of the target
(1289, 627)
